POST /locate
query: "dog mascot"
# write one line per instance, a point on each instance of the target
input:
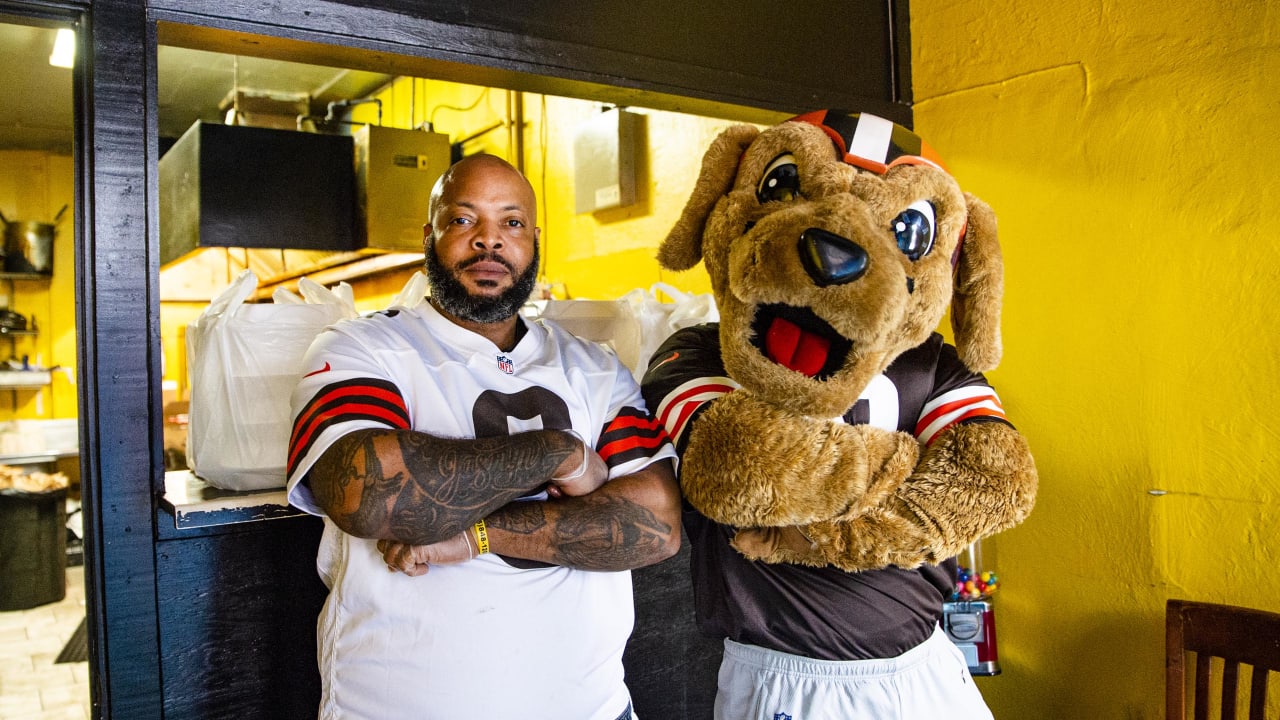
(835, 453)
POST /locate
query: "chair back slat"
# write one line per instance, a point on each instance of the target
(1230, 687)
(1235, 634)
(1175, 668)
(1258, 694)
(1203, 665)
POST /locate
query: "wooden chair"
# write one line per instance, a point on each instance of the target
(1239, 636)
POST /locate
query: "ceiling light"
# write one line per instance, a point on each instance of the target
(64, 49)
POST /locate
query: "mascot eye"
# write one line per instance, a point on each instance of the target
(781, 180)
(914, 229)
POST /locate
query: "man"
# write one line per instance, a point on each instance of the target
(447, 442)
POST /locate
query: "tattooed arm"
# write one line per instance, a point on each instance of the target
(415, 488)
(629, 522)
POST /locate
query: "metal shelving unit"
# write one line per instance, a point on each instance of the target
(16, 379)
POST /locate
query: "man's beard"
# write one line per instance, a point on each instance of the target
(452, 296)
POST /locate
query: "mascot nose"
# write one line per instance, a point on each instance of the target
(830, 259)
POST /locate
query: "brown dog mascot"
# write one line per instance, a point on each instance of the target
(836, 453)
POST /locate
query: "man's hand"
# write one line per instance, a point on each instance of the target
(415, 560)
(580, 473)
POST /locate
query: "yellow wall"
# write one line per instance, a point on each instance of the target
(593, 255)
(34, 186)
(1129, 150)
(606, 254)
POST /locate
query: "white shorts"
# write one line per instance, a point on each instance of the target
(928, 681)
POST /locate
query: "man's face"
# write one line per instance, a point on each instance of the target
(481, 246)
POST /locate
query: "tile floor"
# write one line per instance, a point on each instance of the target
(32, 686)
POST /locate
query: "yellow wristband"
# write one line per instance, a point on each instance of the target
(482, 536)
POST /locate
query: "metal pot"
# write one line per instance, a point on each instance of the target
(28, 247)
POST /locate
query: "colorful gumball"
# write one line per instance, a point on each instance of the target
(971, 585)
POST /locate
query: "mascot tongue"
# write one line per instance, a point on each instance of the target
(790, 346)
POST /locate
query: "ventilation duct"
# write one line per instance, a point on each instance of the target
(249, 187)
(289, 203)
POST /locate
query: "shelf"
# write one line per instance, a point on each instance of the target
(38, 458)
(194, 503)
(31, 330)
(15, 379)
(25, 378)
(24, 276)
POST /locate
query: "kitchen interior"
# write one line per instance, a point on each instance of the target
(600, 172)
(41, 579)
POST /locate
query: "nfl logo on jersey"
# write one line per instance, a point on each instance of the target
(505, 364)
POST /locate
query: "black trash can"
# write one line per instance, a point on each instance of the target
(33, 548)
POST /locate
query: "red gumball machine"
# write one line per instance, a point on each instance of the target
(969, 617)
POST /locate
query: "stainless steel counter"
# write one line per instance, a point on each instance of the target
(196, 504)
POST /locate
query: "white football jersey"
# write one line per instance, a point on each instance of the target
(480, 638)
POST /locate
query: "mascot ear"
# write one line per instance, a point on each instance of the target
(682, 248)
(979, 286)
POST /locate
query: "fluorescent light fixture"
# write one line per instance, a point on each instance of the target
(64, 48)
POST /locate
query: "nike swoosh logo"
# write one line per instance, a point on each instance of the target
(673, 356)
(324, 369)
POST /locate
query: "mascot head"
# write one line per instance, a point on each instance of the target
(834, 243)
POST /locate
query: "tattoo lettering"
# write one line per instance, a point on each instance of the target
(418, 489)
(616, 535)
(523, 519)
(604, 533)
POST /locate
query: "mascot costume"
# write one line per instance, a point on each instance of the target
(835, 453)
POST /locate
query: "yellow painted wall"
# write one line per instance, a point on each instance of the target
(1130, 152)
(597, 255)
(605, 254)
(34, 186)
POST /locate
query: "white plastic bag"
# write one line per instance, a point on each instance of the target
(243, 362)
(314, 292)
(595, 320)
(644, 321)
(635, 324)
(413, 292)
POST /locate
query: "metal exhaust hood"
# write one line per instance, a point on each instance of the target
(287, 203)
(251, 187)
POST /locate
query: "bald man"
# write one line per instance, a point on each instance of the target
(487, 483)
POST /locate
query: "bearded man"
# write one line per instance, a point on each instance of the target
(487, 483)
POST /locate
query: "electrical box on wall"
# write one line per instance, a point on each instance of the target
(604, 161)
(395, 171)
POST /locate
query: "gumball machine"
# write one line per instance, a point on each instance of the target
(969, 618)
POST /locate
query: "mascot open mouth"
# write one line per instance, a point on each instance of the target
(799, 340)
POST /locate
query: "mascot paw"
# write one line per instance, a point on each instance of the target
(778, 545)
(751, 464)
(871, 542)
